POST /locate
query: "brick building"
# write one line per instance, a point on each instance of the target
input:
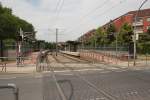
(142, 23)
(84, 38)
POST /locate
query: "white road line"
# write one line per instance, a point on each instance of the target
(38, 76)
(7, 78)
(65, 74)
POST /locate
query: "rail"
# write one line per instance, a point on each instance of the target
(12, 86)
(100, 91)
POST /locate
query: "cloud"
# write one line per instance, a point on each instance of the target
(76, 16)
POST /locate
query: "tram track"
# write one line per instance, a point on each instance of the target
(78, 60)
(106, 92)
(91, 85)
(133, 74)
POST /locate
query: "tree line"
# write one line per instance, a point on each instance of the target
(9, 27)
(10, 24)
(107, 38)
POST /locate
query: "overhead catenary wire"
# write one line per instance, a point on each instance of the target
(101, 14)
(96, 8)
(59, 7)
(82, 18)
(61, 3)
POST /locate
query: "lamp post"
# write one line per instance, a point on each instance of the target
(56, 41)
(134, 37)
(116, 46)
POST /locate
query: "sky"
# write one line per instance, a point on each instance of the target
(72, 18)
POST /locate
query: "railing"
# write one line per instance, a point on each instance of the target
(140, 23)
(139, 31)
(13, 87)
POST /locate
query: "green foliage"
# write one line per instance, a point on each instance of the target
(144, 47)
(7, 26)
(144, 37)
(124, 38)
(101, 38)
(49, 45)
(10, 24)
(111, 30)
(91, 41)
(148, 31)
(125, 34)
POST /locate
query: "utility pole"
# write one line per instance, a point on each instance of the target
(56, 41)
(19, 51)
(134, 37)
(116, 46)
(95, 41)
(82, 42)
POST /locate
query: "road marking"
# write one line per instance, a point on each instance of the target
(63, 97)
(38, 76)
(132, 92)
(65, 74)
(102, 98)
(105, 71)
(62, 71)
(7, 78)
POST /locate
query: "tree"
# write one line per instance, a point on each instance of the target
(111, 30)
(125, 34)
(148, 31)
(101, 37)
(144, 43)
(9, 26)
(92, 41)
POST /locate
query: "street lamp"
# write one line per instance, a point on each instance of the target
(134, 40)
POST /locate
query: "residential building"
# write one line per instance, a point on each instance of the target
(142, 23)
(85, 38)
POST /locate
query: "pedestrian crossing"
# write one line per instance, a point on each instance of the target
(89, 69)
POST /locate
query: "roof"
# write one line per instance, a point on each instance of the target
(141, 13)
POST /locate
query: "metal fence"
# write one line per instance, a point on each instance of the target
(10, 52)
(122, 56)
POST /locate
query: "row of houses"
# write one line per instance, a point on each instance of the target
(142, 23)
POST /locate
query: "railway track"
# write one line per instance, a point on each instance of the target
(133, 74)
(100, 89)
(78, 60)
(91, 85)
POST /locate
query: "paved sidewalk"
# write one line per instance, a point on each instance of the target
(140, 65)
(29, 65)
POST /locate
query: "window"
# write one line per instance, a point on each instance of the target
(139, 28)
(139, 19)
(148, 27)
(148, 19)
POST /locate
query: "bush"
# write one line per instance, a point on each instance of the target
(143, 48)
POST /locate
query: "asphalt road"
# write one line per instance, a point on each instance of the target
(98, 83)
